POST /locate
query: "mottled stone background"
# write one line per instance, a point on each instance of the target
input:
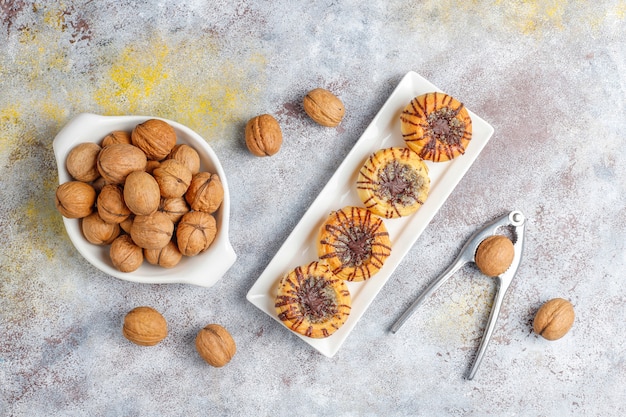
(550, 76)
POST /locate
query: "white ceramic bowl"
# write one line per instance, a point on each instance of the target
(204, 269)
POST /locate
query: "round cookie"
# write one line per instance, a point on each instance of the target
(494, 255)
(312, 301)
(436, 126)
(393, 182)
(354, 242)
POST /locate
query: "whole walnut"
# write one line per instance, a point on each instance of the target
(195, 232)
(125, 255)
(81, 162)
(168, 256)
(97, 231)
(116, 161)
(117, 136)
(75, 199)
(155, 137)
(152, 231)
(144, 326)
(98, 184)
(128, 223)
(151, 166)
(215, 345)
(205, 193)
(554, 319)
(187, 155)
(175, 208)
(494, 255)
(173, 178)
(111, 205)
(263, 135)
(141, 193)
(324, 107)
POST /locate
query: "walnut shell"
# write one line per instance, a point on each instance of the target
(152, 231)
(116, 161)
(173, 178)
(494, 255)
(554, 319)
(141, 193)
(125, 255)
(97, 231)
(168, 256)
(195, 232)
(175, 208)
(155, 137)
(205, 193)
(215, 345)
(151, 166)
(75, 199)
(263, 135)
(117, 136)
(111, 205)
(144, 326)
(128, 223)
(187, 155)
(81, 162)
(324, 107)
(98, 184)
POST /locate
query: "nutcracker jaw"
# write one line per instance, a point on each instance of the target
(517, 221)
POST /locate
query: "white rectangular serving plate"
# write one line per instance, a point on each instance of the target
(300, 247)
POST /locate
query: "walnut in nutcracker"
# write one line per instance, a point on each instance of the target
(155, 137)
(116, 161)
(141, 193)
(75, 199)
(82, 162)
(111, 205)
(494, 255)
(195, 232)
(205, 193)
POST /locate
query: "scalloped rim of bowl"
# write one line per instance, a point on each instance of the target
(204, 269)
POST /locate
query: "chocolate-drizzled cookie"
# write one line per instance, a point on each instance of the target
(393, 182)
(312, 301)
(436, 126)
(354, 242)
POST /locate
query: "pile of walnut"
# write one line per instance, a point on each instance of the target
(143, 194)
